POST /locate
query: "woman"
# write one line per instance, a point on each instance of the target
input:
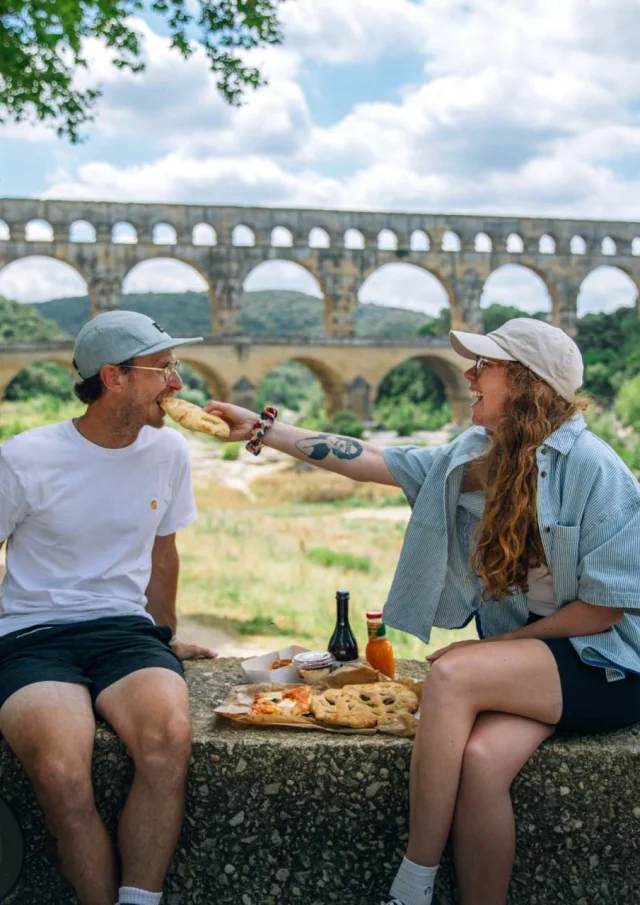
(532, 524)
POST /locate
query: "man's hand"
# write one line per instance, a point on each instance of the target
(443, 650)
(240, 420)
(186, 651)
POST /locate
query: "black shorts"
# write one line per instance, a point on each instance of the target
(95, 653)
(589, 702)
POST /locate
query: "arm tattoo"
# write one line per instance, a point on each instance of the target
(322, 445)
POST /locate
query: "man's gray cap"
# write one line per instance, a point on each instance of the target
(545, 350)
(117, 336)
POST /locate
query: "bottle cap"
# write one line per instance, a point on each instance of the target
(313, 659)
(342, 593)
(374, 614)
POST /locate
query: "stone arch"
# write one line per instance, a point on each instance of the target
(419, 240)
(578, 245)
(281, 237)
(217, 386)
(547, 244)
(124, 233)
(433, 279)
(164, 234)
(514, 244)
(82, 231)
(450, 373)
(608, 288)
(483, 243)
(319, 238)
(204, 234)
(160, 262)
(608, 246)
(9, 374)
(42, 285)
(330, 379)
(354, 239)
(513, 291)
(451, 241)
(387, 240)
(283, 272)
(38, 230)
(243, 236)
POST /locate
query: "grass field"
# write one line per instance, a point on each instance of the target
(269, 570)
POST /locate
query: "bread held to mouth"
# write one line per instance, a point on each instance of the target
(194, 418)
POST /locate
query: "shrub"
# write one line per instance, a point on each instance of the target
(627, 405)
(323, 556)
(346, 424)
(230, 452)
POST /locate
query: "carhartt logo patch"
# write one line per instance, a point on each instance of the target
(158, 327)
(154, 504)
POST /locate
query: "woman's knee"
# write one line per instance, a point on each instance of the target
(450, 677)
(483, 767)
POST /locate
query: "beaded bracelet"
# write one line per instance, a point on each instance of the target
(259, 429)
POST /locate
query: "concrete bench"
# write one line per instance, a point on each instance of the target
(278, 817)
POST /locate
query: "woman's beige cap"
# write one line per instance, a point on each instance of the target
(545, 350)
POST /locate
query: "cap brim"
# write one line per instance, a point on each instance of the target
(170, 342)
(477, 345)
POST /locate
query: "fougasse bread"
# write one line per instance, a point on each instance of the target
(194, 418)
(363, 706)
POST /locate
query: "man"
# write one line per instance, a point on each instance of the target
(89, 509)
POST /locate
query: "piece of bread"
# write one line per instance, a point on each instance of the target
(363, 706)
(194, 418)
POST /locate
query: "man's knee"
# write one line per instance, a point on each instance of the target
(63, 787)
(163, 749)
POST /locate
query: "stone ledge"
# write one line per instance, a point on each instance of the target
(278, 817)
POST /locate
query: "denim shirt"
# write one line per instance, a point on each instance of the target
(589, 520)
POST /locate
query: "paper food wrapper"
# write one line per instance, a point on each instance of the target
(237, 705)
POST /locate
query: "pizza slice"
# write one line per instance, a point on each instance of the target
(289, 702)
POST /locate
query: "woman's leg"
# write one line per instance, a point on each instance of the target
(516, 677)
(483, 827)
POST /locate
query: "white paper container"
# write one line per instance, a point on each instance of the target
(257, 669)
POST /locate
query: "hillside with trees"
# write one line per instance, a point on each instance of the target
(410, 398)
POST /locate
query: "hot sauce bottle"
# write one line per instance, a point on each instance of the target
(379, 651)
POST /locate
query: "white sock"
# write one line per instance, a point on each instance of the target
(413, 884)
(131, 895)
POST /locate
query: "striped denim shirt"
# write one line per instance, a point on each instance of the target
(589, 519)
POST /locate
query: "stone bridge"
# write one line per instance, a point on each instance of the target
(103, 241)
(350, 370)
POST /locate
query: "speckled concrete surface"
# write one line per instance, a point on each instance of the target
(278, 817)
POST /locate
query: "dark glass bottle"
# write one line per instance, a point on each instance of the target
(343, 644)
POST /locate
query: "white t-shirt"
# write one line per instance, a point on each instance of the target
(80, 522)
(540, 599)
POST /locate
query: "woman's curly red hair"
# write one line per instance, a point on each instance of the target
(508, 541)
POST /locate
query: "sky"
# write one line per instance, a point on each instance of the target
(520, 107)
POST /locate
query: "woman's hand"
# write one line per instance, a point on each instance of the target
(443, 650)
(240, 420)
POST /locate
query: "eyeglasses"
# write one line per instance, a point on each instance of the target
(167, 371)
(478, 367)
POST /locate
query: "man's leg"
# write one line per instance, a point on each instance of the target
(149, 709)
(50, 727)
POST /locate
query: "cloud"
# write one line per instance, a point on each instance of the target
(528, 107)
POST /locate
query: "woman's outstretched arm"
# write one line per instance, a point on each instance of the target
(347, 456)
